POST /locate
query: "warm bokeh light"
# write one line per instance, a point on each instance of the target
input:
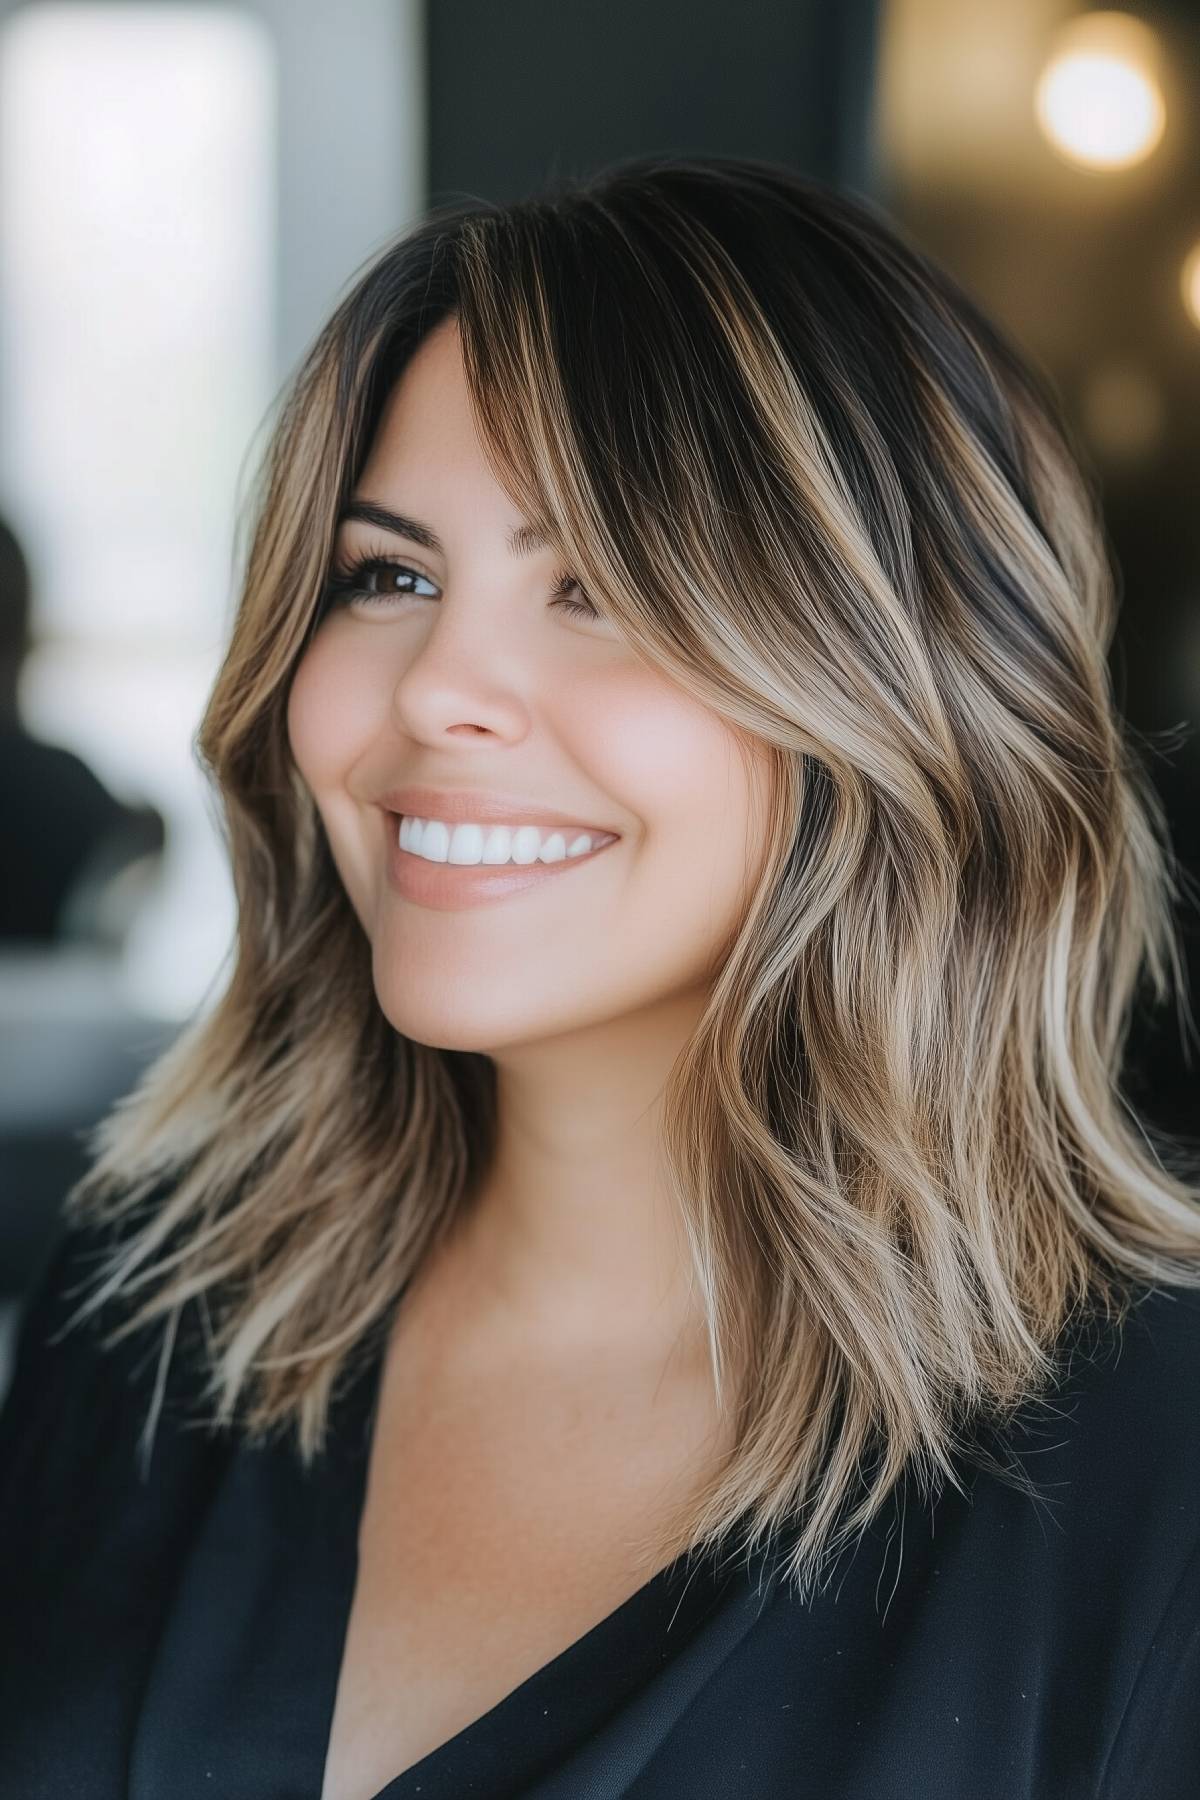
(1123, 411)
(1189, 282)
(1098, 101)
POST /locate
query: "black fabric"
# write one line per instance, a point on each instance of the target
(179, 1635)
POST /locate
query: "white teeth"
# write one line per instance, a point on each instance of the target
(526, 842)
(494, 845)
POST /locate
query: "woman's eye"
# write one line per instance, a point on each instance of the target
(580, 608)
(375, 578)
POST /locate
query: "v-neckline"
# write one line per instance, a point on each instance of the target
(551, 1710)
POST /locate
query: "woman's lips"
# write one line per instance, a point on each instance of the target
(449, 886)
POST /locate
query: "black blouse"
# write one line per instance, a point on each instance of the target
(179, 1636)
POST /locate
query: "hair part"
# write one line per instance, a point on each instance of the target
(817, 488)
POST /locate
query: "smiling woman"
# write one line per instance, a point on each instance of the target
(664, 1112)
(459, 669)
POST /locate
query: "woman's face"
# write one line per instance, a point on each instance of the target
(453, 668)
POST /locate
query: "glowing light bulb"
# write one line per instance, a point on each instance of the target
(1189, 282)
(1098, 101)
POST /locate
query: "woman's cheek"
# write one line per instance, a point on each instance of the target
(334, 698)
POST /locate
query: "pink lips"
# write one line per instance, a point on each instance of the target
(449, 886)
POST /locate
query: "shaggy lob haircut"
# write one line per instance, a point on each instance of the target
(807, 480)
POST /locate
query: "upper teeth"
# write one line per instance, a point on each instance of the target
(438, 842)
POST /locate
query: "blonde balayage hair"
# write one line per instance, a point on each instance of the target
(806, 478)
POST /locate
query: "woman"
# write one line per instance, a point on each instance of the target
(662, 1116)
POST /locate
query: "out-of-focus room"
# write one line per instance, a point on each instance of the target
(185, 190)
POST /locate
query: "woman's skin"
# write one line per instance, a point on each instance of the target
(582, 989)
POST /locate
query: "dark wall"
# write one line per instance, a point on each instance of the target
(523, 90)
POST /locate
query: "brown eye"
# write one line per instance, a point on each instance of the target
(374, 578)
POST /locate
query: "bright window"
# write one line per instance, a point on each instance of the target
(137, 251)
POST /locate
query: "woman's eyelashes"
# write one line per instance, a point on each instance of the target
(582, 608)
(373, 580)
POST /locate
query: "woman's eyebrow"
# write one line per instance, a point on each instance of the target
(370, 513)
(523, 540)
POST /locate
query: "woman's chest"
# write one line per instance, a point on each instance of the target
(496, 1531)
(434, 1644)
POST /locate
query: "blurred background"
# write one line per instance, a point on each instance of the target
(186, 190)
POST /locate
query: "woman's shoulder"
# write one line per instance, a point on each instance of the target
(1121, 1416)
(73, 1390)
(45, 1345)
(1107, 1456)
(1116, 1557)
(1135, 1380)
